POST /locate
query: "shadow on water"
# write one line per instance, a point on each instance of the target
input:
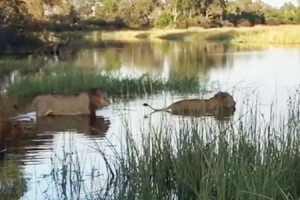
(12, 181)
(81, 124)
(29, 135)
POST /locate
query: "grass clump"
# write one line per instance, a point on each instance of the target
(69, 81)
(246, 161)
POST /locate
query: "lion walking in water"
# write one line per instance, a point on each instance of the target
(84, 103)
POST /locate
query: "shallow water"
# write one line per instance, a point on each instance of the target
(62, 161)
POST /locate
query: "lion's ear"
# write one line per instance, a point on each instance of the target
(224, 95)
(221, 95)
(218, 95)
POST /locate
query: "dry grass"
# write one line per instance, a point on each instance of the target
(270, 35)
(284, 34)
(133, 35)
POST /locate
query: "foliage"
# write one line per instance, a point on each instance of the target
(138, 13)
(163, 20)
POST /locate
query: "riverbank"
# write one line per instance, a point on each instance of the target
(283, 34)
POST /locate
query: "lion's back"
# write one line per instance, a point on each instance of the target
(64, 105)
(61, 104)
(189, 104)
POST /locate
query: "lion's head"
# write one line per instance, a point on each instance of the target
(97, 98)
(224, 100)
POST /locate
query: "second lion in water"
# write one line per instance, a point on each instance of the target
(220, 105)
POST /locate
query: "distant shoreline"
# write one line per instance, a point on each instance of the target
(282, 34)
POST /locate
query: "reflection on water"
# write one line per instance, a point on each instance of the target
(67, 157)
(80, 124)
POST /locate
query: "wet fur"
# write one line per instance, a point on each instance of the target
(84, 103)
(222, 101)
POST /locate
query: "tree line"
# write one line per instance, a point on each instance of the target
(147, 13)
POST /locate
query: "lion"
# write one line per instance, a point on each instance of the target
(83, 103)
(220, 105)
(51, 48)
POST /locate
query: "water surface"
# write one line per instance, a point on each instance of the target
(61, 159)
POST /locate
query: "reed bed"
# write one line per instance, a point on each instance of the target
(69, 81)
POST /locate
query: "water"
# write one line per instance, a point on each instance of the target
(61, 159)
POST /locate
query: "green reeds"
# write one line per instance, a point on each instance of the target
(242, 160)
(69, 81)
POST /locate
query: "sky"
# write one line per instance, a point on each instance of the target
(278, 3)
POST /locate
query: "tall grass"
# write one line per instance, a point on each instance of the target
(69, 81)
(245, 159)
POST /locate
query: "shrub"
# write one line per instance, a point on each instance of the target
(163, 20)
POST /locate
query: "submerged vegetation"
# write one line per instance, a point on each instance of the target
(115, 85)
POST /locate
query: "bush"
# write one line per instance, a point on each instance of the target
(163, 20)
